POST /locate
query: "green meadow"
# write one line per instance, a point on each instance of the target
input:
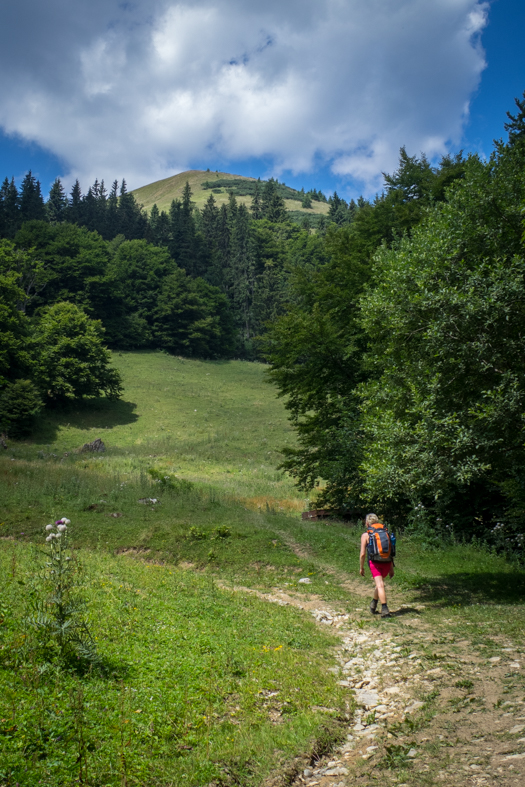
(198, 683)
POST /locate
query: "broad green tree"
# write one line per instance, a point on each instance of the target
(445, 321)
(71, 359)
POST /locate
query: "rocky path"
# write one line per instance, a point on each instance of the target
(426, 707)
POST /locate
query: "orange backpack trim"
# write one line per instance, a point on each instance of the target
(379, 543)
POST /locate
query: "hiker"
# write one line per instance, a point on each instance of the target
(376, 542)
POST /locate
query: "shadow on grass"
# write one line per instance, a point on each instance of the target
(405, 611)
(472, 588)
(88, 414)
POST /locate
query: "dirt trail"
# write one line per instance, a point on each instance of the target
(430, 710)
(349, 582)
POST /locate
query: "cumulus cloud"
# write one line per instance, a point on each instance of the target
(153, 87)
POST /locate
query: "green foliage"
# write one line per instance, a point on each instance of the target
(443, 412)
(245, 188)
(20, 403)
(169, 482)
(400, 358)
(306, 201)
(15, 356)
(73, 259)
(315, 350)
(192, 318)
(71, 360)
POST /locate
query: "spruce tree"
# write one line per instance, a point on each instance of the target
(187, 251)
(277, 209)
(74, 210)
(112, 222)
(267, 196)
(57, 203)
(256, 207)
(153, 220)
(126, 213)
(232, 207)
(31, 201)
(210, 218)
(89, 210)
(163, 229)
(101, 209)
(516, 126)
(175, 228)
(223, 244)
(10, 208)
(307, 201)
(241, 274)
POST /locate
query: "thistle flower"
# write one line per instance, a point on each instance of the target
(63, 521)
(49, 527)
(50, 538)
(61, 528)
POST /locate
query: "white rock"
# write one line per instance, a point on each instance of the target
(340, 771)
(495, 659)
(412, 753)
(517, 728)
(347, 747)
(365, 697)
(308, 772)
(514, 665)
(515, 757)
(305, 581)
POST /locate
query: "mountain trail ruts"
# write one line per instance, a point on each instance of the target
(354, 585)
(424, 707)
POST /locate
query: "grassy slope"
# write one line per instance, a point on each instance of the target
(162, 192)
(220, 426)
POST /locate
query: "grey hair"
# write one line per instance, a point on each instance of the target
(371, 519)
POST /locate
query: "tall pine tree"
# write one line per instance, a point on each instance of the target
(57, 203)
(10, 214)
(31, 201)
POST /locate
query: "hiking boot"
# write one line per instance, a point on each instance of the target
(373, 606)
(385, 612)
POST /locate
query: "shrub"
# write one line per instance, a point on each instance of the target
(20, 402)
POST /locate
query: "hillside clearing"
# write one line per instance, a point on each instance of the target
(255, 699)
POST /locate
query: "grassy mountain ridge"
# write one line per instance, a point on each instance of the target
(162, 192)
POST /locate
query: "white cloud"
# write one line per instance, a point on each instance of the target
(150, 88)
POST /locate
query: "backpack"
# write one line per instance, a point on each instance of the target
(381, 546)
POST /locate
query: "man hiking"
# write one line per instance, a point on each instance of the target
(376, 545)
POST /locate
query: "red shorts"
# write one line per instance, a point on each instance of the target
(380, 569)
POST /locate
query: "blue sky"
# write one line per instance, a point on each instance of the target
(316, 92)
